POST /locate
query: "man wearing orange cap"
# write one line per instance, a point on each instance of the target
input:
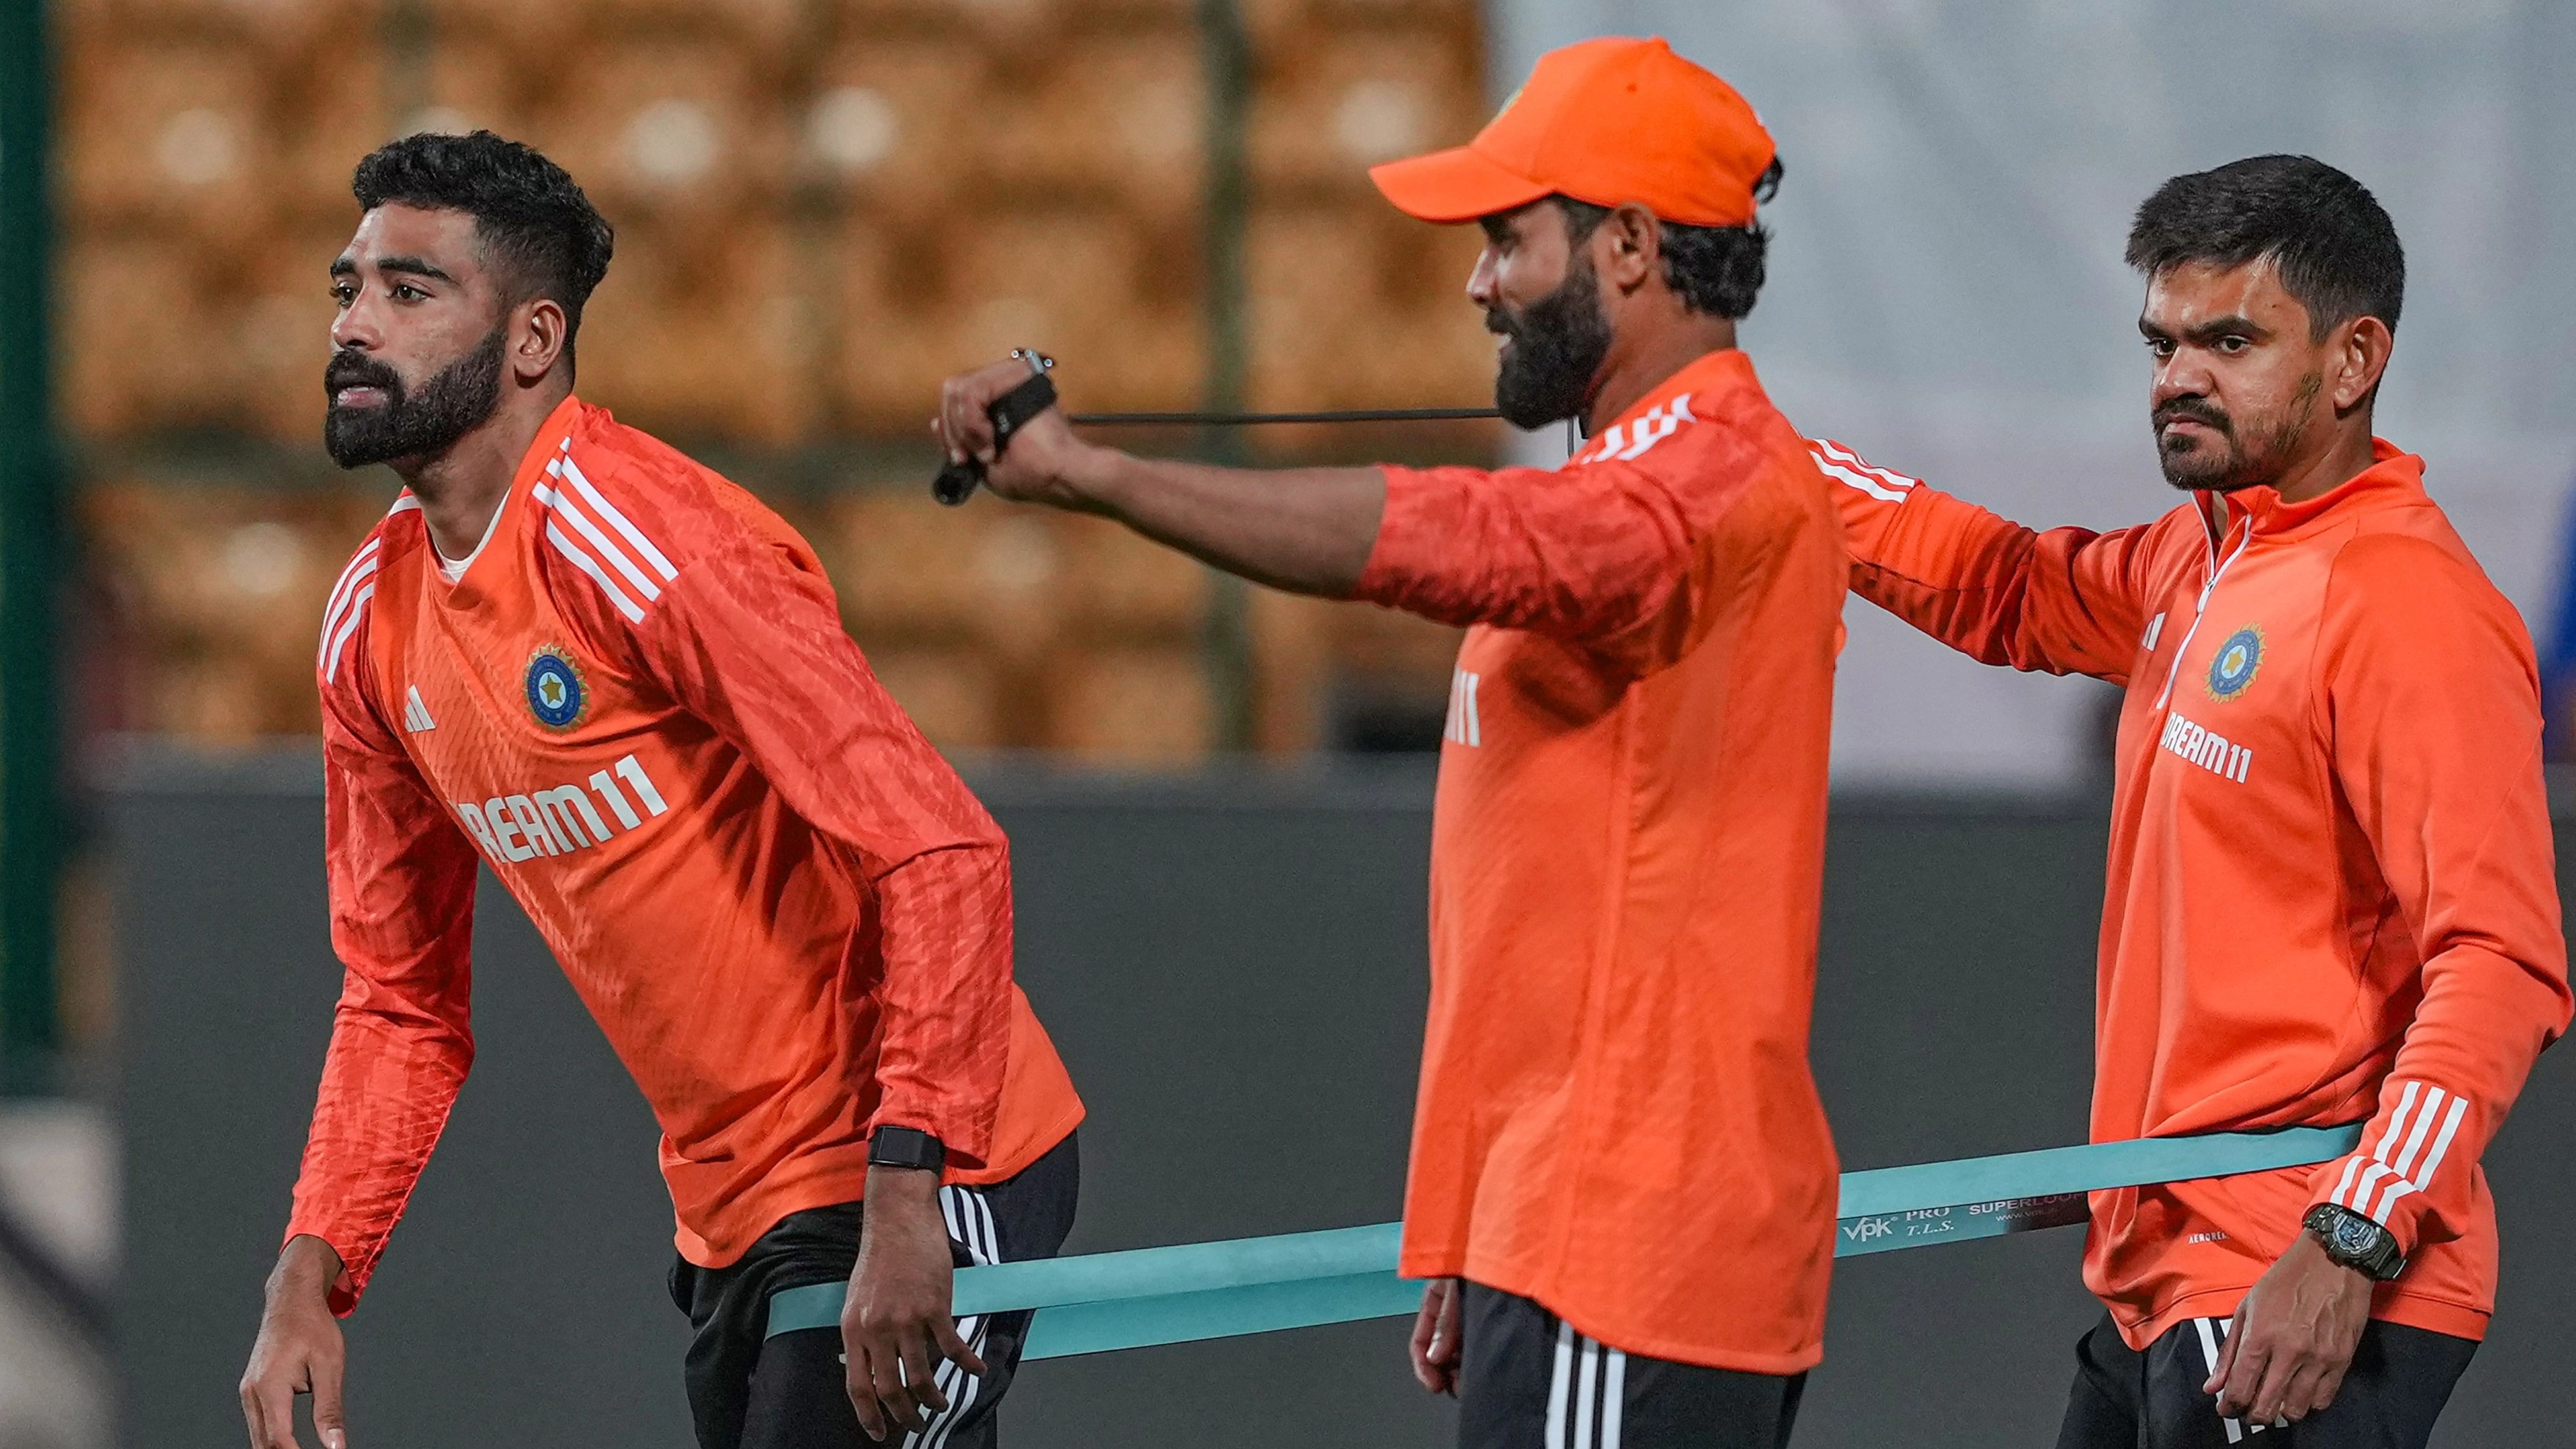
(1622, 1187)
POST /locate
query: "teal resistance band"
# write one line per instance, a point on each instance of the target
(1148, 1296)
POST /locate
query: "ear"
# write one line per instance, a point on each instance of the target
(1628, 248)
(2360, 356)
(538, 333)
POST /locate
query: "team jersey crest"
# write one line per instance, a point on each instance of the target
(556, 694)
(2233, 667)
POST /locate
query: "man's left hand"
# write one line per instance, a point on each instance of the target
(895, 1325)
(2293, 1337)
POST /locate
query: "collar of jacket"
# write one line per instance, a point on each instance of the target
(2395, 477)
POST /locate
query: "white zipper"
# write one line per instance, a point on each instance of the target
(2202, 607)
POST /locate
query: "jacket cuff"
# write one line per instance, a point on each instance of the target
(2361, 1183)
(355, 1267)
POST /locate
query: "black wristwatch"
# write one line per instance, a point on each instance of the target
(906, 1147)
(2354, 1241)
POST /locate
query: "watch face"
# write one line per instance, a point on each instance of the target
(2355, 1234)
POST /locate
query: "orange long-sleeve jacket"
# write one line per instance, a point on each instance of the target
(1627, 850)
(636, 706)
(2332, 894)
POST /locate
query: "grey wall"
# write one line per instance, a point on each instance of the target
(1233, 970)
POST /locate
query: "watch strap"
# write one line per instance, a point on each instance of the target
(2356, 1241)
(892, 1146)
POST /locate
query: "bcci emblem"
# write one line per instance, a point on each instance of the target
(555, 692)
(2234, 667)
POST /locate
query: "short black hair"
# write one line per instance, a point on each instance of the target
(549, 240)
(2335, 247)
(1717, 269)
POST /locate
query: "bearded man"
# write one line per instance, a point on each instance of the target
(1622, 1187)
(2332, 897)
(578, 658)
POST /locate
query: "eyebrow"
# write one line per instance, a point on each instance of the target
(414, 266)
(2232, 325)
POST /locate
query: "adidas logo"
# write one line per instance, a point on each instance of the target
(416, 714)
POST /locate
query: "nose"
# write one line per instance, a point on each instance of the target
(2185, 374)
(1483, 285)
(356, 327)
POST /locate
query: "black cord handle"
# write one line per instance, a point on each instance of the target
(1010, 412)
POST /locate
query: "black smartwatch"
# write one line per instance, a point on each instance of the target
(2353, 1241)
(906, 1147)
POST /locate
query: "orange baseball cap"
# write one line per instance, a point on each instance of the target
(1606, 121)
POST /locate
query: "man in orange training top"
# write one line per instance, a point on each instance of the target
(2331, 895)
(622, 683)
(1618, 1146)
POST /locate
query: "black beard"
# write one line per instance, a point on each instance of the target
(1558, 344)
(2237, 464)
(455, 401)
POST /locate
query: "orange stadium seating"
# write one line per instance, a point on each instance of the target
(166, 133)
(1135, 705)
(224, 587)
(1120, 116)
(1359, 306)
(900, 123)
(1112, 299)
(675, 129)
(1337, 102)
(705, 335)
(824, 207)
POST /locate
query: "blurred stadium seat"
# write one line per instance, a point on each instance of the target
(1113, 300)
(1359, 306)
(1131, 706)
(167, 133)
(684, 130)
(961, 698)
(1334, 102)
(1120, 116)
(705, 334)
(225, 587)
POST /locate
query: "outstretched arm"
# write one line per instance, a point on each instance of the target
(1606, 550)
(2067, 601)
(1306, 530)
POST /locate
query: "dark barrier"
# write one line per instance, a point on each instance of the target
(1233, 968)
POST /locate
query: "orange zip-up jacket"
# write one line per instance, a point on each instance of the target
(1616, 1116)
(638, 707)
(2332, 895)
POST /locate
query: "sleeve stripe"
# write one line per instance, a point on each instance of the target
(2432, 1163)
(349, 627)
(619, 521)
(1865, 485)
(2415, 1139)
(604, 546)
(354, 590)
(590, 566)
(2397, 1121)
(359, 567)
(1829, 449)
(2354, 1190)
